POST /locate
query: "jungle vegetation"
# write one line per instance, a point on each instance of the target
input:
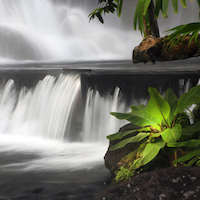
(146, 14)
(166, 132)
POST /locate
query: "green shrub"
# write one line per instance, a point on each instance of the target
(163, 125)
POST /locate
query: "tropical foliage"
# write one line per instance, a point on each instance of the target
(163, 125)
(144, 14)
(179, 33)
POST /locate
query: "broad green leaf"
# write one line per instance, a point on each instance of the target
(171, 135)
(188, 156)
(138, 108)
(134, 139)
(190, 143)
(165, 7)
(120, 135)
(190, 130)
(157, 106)
(171, 98)
(187, 99)
(140, 118)
(175, 6)
(150, 152)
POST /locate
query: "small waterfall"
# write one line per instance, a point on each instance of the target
(49, 127)
(97, 120)
(53, 109)
(44, 111)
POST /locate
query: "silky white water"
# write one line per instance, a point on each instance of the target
(60, 31)
(40, 123)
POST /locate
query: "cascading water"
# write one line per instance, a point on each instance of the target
(97, 118)
(48, 118)
(59, 30)
(46, 110)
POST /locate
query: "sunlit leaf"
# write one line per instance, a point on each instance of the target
(171, 135)
(140, 118)
(157, 106)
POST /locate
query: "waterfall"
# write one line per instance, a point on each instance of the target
(97, 118)
(51, 122)
(44, 110)
(52, 30)
(53, 109)
(60, 31)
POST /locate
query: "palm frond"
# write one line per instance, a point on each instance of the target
(138, 18)
(179, 33)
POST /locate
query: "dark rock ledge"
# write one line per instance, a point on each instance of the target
(170, 183)
(153, 49)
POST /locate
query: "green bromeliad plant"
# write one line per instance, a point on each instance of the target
(160, 127)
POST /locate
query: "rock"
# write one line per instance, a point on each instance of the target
(112, 158)
(153, 49)
(150, 49)
(179, 183)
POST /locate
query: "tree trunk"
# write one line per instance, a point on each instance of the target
(153, 22)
